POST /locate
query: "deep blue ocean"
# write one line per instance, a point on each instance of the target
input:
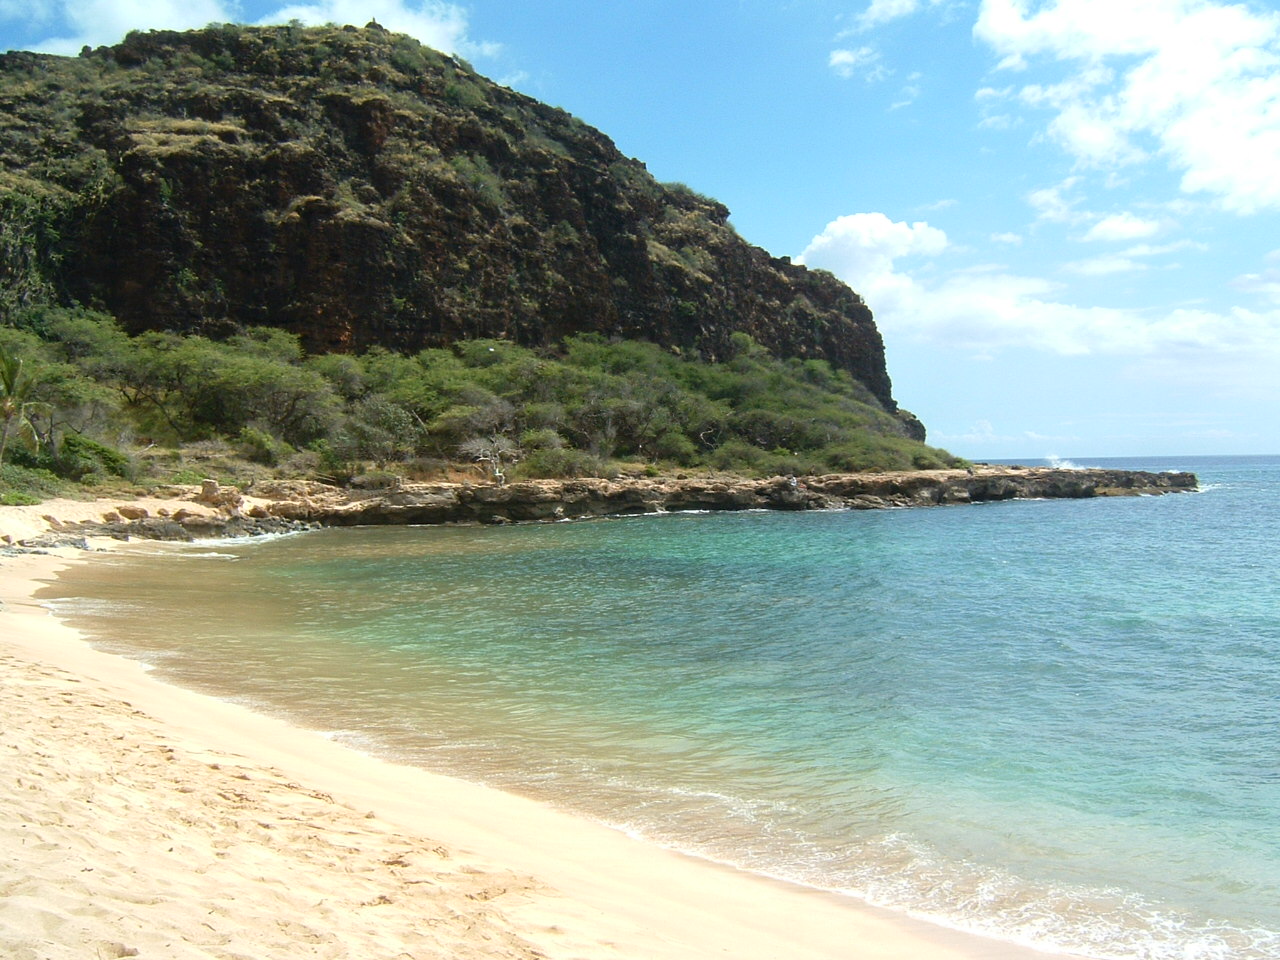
(1054, 722)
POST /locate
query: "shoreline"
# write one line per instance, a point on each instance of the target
(520, 878)
(188, 513)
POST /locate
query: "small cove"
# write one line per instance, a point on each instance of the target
(1045, 721)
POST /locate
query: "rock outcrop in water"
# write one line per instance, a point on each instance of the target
(567, 499)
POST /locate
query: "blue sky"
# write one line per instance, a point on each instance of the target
(1062, 213)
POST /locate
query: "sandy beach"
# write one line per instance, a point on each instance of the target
(141, 819)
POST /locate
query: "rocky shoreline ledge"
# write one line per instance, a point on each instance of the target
(276, 506)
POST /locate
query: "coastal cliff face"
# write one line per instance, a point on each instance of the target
(359, 189)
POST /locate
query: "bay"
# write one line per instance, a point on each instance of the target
(1051, 722)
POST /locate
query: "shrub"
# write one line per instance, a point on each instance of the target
(541, 438)
(425, 468)
(553, 463)
(188, 476)
(676, 447)
(738, 455)
(79, 456)
(334, 464)
(28, 484)
(15, 498)
(376, 480)
(261, 447)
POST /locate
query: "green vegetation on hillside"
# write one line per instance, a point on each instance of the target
(97, 404)
(359, 189)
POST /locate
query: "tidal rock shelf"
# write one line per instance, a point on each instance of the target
(540, 500)
(279, 506)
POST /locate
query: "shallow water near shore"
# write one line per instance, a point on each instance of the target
(1052, 722)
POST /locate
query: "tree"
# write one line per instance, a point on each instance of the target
(490, 451)
(16, 404)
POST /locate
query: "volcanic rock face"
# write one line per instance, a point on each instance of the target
(357, 188)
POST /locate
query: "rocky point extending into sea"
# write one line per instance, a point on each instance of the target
(275, 506)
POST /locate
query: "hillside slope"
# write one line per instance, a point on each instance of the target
(357, 188)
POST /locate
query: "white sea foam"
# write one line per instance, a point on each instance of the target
(1059, 463)
(244, 541)
(89, 607)
(1107, 924)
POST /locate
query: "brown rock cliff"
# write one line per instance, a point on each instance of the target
(359, 189)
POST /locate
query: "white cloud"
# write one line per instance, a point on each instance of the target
(1013, 239)
(97, 22)
(864, 60)
(1121, 227)
(34, 12)
(1128, 260)
(910, 93)
(1194, 81)
(882, 11)
(437, 24)
(1266, 283)
(1051, 204)
(1158, 250)
(1104, 266)
(982, 433)
(862, 247)
(988, 309)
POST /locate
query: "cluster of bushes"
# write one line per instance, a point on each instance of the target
(92, 389)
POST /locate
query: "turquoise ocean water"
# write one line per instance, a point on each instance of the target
(1051, 722)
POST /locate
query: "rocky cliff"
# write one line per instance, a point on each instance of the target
(358, 188)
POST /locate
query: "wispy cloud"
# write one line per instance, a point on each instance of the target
(77, 23)
(96, 22)
(1129, 260)
(988, 309)
(1104, 266)
(882, 11)
(437, 24)
(864, 60)
(1265, 282)
(1122, 227)
(984, 434)
(1195, 83)
(1053, 205)
(34, 12)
